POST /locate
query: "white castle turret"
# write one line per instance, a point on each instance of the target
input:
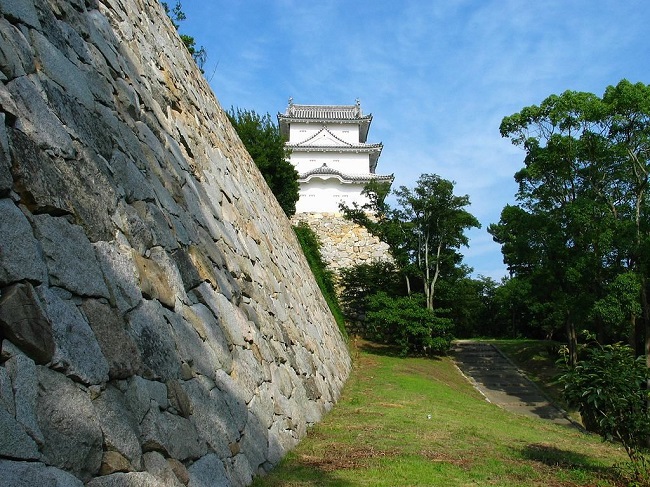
(329, 150)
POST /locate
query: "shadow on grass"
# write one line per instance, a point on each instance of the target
(305, 477)
(306, 472)
(568, 460)
(389, 350)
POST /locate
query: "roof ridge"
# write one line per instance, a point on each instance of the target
(326, 105)
(332, 112)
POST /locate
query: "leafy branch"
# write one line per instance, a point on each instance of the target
(177, 16)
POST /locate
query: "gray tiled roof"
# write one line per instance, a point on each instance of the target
(347, 114)
(325, 112)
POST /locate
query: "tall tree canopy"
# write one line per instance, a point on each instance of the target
(425, 232)
(262, 138)
(580, 233)
(438, 220)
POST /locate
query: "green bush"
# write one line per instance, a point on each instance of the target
(407, 323)
(363, 280)
(609, 387)
(324, 277)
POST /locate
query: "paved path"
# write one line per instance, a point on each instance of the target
(502, 383)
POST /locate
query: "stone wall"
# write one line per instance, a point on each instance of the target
(343, 243)
(158, 321)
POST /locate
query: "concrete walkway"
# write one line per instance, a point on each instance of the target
(502, 383)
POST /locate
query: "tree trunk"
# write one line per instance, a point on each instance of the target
(645, 338)
(642, 325)
(572, 340)
(641, 330)
(432, 290)
(636, 331)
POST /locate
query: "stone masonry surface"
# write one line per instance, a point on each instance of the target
(158, 321)
(344, 243)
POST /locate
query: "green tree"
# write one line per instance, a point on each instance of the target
(424, 232)
(516, 310)
(627, 119)
(619, 307)
(582, 217)
(469, 303)
(381, 220)
(176, 14)
(437, 220)
(262, 138)
(540, 249)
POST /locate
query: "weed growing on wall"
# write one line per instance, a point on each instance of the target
(324, 277)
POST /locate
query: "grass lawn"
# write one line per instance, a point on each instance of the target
(418, 422)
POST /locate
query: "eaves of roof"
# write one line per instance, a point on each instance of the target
(326, 172)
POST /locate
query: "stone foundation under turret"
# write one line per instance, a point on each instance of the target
(343, 243)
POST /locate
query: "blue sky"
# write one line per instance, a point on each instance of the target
(437, 75)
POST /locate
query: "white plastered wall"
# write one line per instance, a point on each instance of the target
(324, 195)
(299, 132)
(347, 163)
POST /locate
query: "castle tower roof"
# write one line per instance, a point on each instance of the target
(325, 114)
(326, 172)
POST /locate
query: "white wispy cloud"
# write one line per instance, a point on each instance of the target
(437, 76)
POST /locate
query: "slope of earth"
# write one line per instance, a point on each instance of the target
(419, 422)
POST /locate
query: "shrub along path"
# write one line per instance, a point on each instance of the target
(502, 383)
